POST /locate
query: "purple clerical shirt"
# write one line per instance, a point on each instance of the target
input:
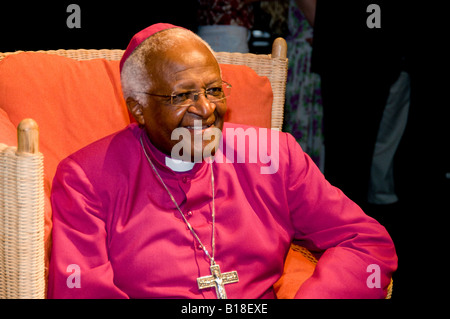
(117, 234)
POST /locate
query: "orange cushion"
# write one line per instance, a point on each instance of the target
(297, 269)
(250, 102)
(73, 102)
(8, 132)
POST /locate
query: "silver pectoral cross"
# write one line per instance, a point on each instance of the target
(218, 280)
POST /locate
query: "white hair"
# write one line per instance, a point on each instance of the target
(134, 76)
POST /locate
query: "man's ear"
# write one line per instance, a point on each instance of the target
(136, 109)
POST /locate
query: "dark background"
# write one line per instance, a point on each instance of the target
(42, 25)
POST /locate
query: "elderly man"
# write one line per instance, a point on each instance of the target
(132, 220)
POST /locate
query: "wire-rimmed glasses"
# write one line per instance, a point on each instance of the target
(213, 94)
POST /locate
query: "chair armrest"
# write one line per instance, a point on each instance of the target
(22, 251)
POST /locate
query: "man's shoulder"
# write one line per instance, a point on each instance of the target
(265, 149)
(111, 145)
(233, 128)
(253, 135)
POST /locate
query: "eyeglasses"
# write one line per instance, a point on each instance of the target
(213, 94)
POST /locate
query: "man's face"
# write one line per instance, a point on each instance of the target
(189, 67)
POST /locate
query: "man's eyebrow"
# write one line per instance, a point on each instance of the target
(188, 84)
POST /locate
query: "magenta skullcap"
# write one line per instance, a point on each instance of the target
(141, 36)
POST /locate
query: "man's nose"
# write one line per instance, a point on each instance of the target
(202, 106)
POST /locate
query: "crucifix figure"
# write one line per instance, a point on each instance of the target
(218, 280)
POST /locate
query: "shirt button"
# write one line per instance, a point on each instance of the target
(184, 179)
(199, 247)
(189, 213)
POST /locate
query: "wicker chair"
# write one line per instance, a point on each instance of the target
(22, 216)
(22, 253)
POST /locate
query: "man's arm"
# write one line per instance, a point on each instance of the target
(79, 263)
(358, 254)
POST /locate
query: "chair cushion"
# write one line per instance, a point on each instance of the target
(297, 269)
(73, 102)
(250, 102)
(8, 133)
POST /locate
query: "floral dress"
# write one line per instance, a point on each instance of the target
(225, 12)
(303, 109)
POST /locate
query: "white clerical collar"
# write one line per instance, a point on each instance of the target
(178, 165)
